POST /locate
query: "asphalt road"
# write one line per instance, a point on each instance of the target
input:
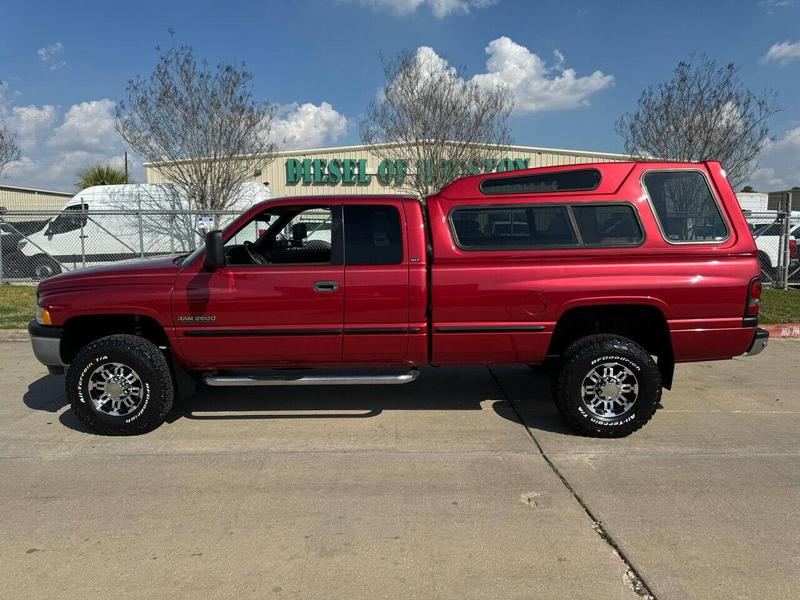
(464, 484)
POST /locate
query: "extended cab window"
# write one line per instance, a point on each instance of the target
(372, 235)
(607, 224)
(685, 207)
(512, 227)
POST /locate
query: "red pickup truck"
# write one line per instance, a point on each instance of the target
(608, 274)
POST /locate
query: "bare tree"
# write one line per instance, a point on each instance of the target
(9, 151)
(443, 125)
(200, 128)
(702, 113)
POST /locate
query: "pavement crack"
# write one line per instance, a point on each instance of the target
(632, 578)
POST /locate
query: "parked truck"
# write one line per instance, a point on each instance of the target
(608, 274)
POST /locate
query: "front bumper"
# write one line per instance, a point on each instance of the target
(760, 340)
(46, 343)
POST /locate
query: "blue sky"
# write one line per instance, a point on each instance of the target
(574, 67)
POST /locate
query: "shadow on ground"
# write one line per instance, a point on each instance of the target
(448, 389)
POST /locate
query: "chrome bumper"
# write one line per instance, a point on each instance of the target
(759, 342)
(46, 343)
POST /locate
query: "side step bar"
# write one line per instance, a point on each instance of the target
(256, 380)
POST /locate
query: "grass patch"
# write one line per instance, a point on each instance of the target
(780, 306)
(17, 306)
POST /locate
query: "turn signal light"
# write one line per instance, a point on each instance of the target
(43, 316)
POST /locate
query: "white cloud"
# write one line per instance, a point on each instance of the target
(778, 163)
(439, 8)
(783, 52)
(86, 126)
(30, 122)
(534, 85)
(307, 126)
(50, 55)
(771, 5)
(56, 144)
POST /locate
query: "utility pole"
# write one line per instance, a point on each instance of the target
(126, 166)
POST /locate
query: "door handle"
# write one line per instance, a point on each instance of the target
(326, 286)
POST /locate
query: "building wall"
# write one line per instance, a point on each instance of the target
(16, 198)
(276, 172)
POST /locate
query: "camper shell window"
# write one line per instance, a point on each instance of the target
(541, 227)
(685, 207)
(580, 180)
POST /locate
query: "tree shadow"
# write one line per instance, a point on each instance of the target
(450, 388)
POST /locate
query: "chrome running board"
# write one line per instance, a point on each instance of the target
(241, 380)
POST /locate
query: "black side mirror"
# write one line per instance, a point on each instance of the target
(215, 251)
(299, 233)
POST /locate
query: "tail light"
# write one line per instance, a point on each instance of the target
(753, 298)
(792, 248)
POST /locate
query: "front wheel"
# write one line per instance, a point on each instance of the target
(43, 266)
(120, 385)
(608, 386)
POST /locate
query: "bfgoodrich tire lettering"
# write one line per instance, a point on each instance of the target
(608, 386)
(137, 376)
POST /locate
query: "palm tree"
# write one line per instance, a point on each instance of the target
(100, 175)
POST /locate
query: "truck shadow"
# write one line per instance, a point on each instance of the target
(449, 389)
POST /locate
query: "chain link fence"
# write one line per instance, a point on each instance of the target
(39, 244)
(776, 234)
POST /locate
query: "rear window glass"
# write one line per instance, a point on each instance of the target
(560, 181)
(513, 227)
(685, 206)
(372, 235)
(607, 224)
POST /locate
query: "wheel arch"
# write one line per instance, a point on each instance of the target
(83, 329)
(643, 323)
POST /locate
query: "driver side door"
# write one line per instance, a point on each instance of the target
(264, 315)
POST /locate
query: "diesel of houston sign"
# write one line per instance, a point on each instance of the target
(353, 171)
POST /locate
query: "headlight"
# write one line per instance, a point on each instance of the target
(43, 316)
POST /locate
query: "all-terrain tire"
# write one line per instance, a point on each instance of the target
(597, 368)
(137, 369)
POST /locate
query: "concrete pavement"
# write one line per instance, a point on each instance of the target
(430, 490)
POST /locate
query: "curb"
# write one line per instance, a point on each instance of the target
(783, 330)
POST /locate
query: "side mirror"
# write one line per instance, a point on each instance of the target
(299, 233)
(215, 251)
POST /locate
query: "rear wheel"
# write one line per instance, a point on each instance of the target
(120, 385)
(608, 386)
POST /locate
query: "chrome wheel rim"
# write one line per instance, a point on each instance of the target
(115, 389)
(609, 390)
